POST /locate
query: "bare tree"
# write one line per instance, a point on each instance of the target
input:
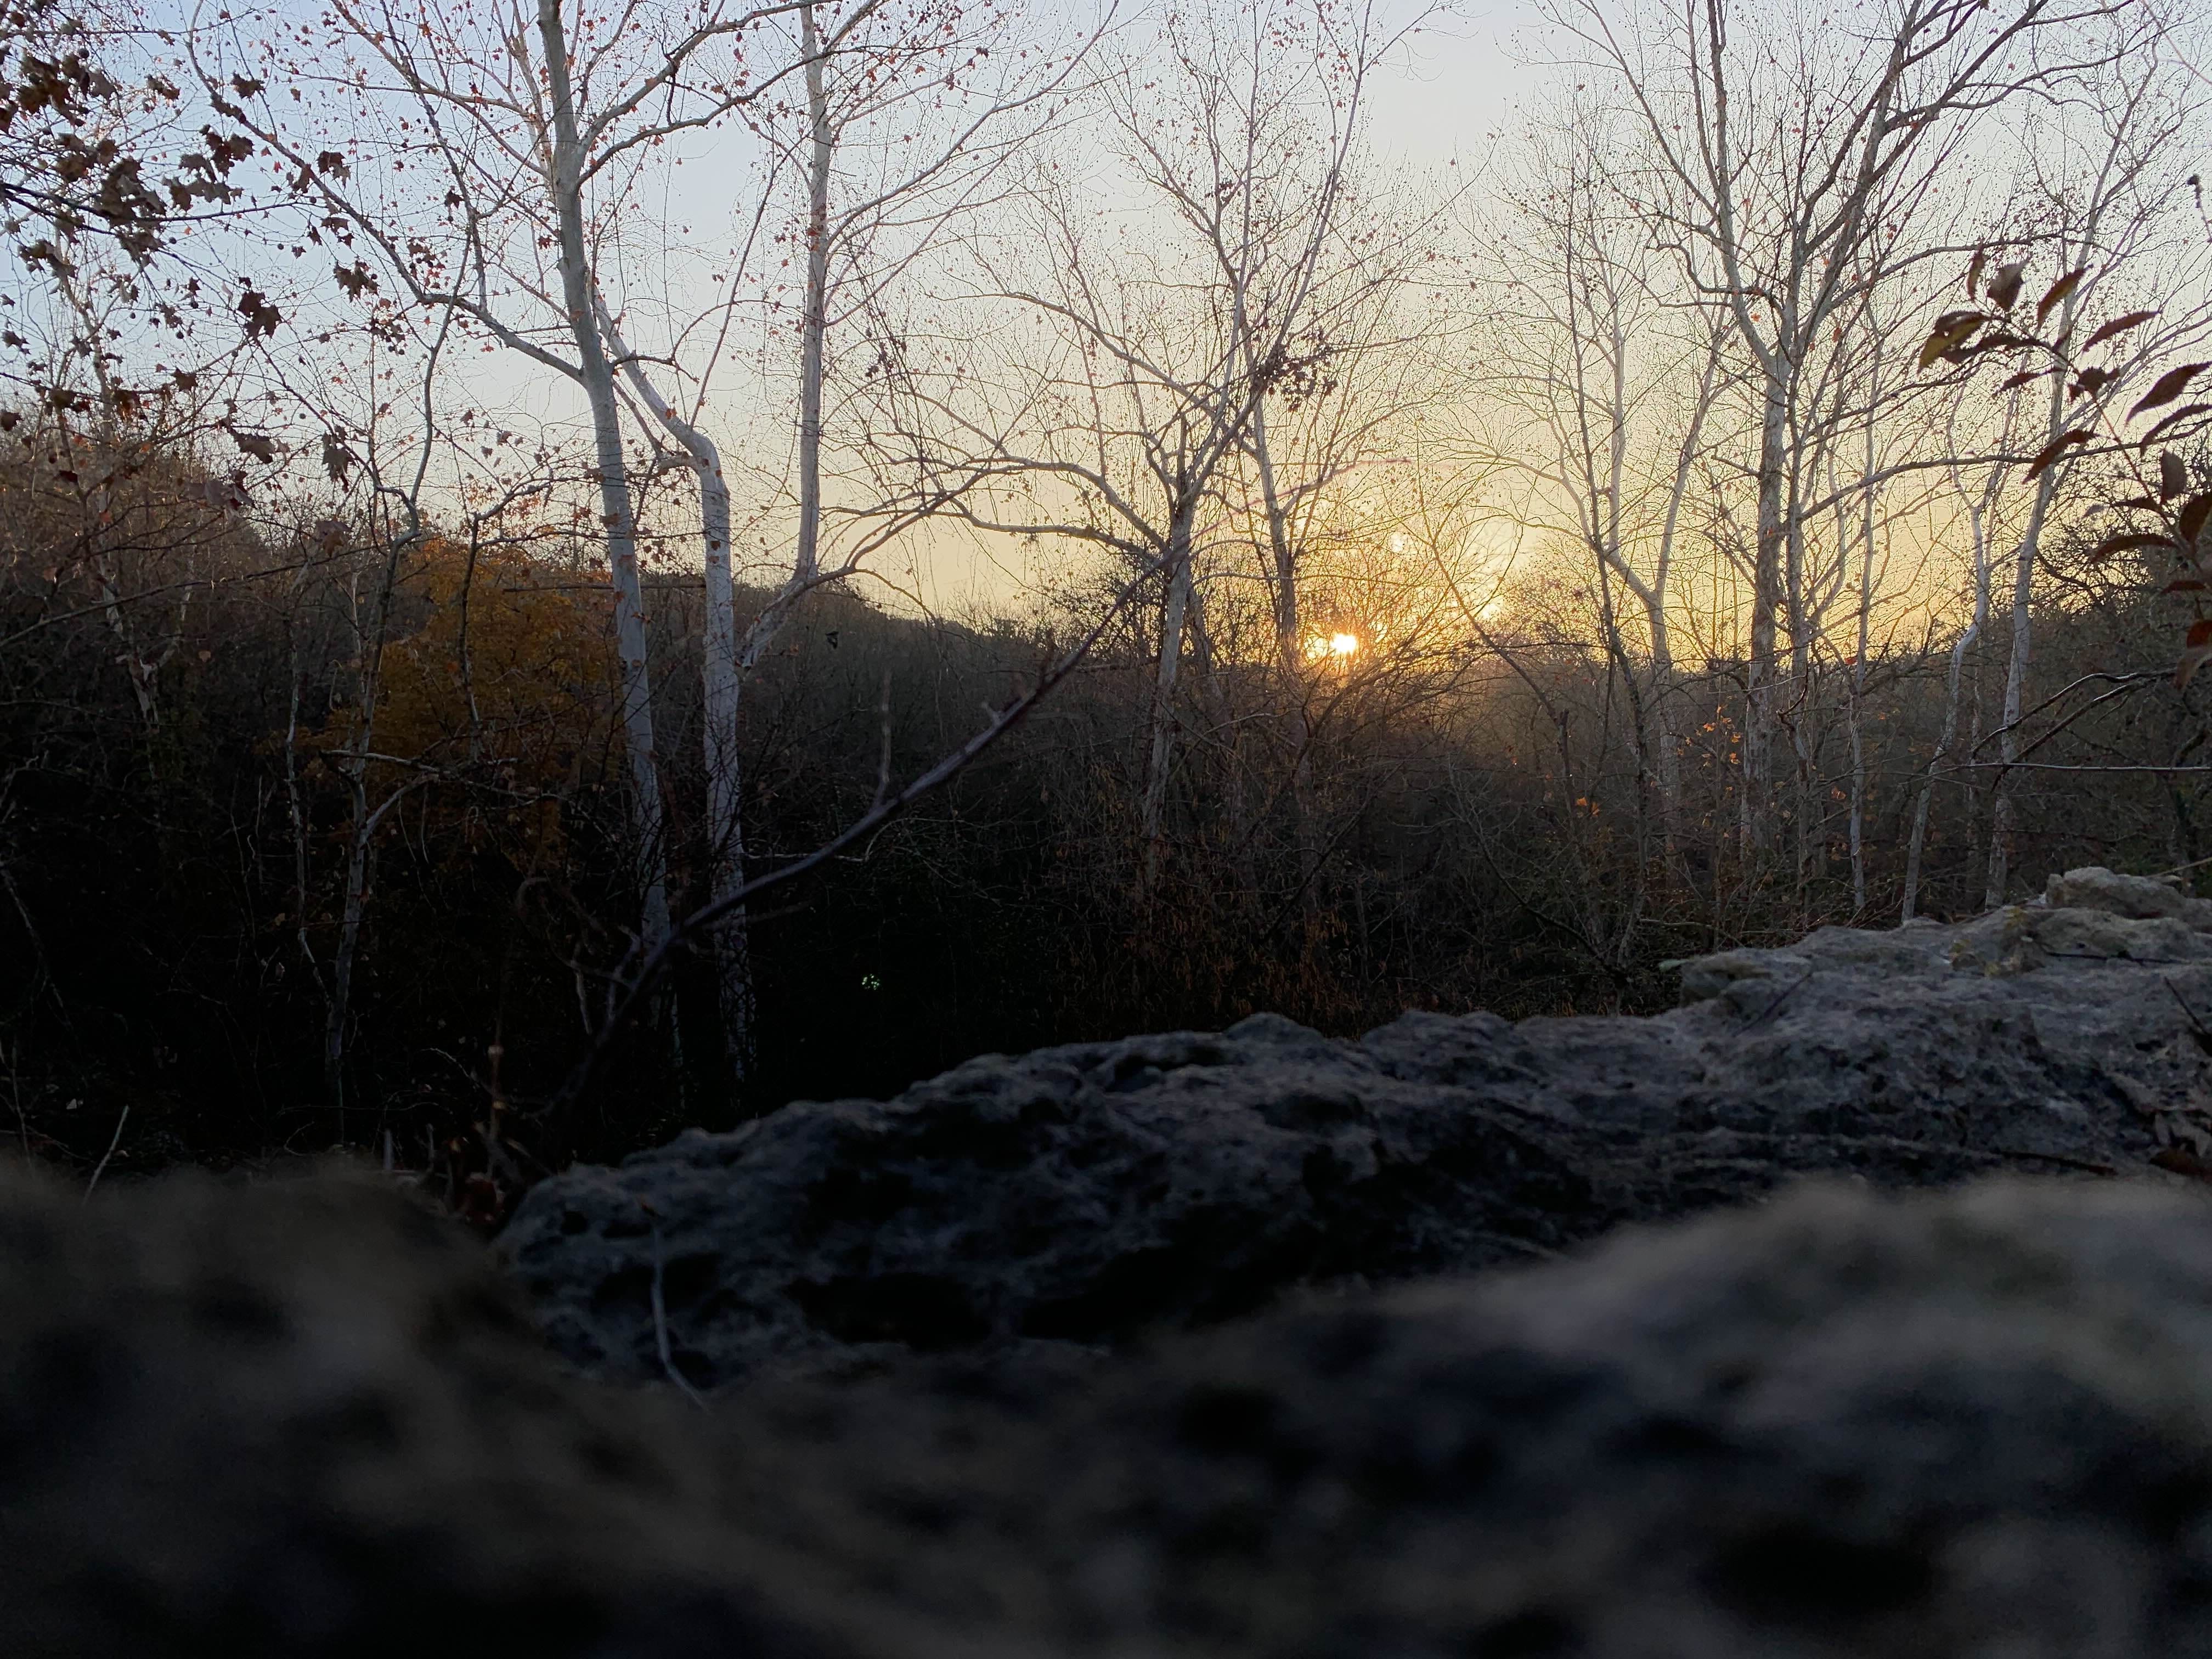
(1786, 181)
(1612, 377)
(896, 152)
(1142, 386)
(529, 144)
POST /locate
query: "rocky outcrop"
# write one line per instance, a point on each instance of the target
(1076, 1195)
(305, 1420)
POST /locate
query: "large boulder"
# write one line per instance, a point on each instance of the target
(1078, 1195)
(307, 1421)
(1966, 1424)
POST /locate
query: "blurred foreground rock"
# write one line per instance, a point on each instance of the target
(305, 1421)
(309, 1417)
(1080, 1193)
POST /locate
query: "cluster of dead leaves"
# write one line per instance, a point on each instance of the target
(2175, 539)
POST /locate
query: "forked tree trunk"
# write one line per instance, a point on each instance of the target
(722, 688)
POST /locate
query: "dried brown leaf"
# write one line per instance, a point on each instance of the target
(2117, 326)
(2057, 448)
(2170, 386)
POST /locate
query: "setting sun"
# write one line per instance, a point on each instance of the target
(1334, 644)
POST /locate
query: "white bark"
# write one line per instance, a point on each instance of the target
(2071, 249)
(2016, 660)
(814, 322)
(722, 688)
(565, 181)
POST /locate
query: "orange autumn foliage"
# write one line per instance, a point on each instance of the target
(503, 686)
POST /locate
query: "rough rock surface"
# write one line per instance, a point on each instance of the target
(1965, 1424)
(1077, 1194)
(307, 1421)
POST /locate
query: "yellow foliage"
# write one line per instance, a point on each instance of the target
(504, 685)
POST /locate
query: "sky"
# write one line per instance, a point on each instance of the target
(1457, 88)
(1444, 99)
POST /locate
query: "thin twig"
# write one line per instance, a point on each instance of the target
(114, 1141)
(660, 1329)
(1788, 992)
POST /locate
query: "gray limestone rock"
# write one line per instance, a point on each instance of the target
(1081, 1194)
(2095, 888)
(305, 1420)
(1971, 1424)
(966, 1416)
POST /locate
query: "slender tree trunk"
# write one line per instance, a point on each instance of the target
(814, 323)
(1665, 739)
(1238, 831)
(1620, 665)
(723, 686)
(361, 845)
(1296, 730)
(297, 808)
(2015, 693)
(1163, 691)
(1918, 843)
(143, 672)
(578, 296)
(1762, 690)
(1289, 648)
(2016, 659)
(725, 856)
(353, 907)
(1954, 681)
(1859, 657)
(1654, 597)
(1809, 820)
(1859, 686)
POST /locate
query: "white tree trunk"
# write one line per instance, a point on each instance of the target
(2023, 589)
(723, 687)
(814, 323)
(597, 374)
(1761, 690)
(1859, 660)
(2023, 592)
